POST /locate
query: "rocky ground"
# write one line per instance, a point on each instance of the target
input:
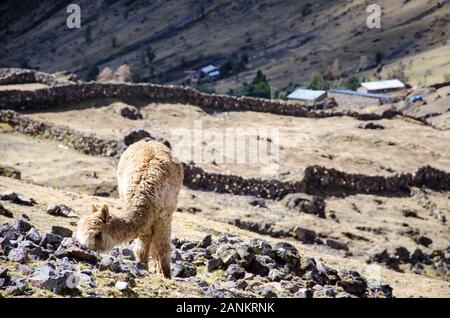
(330, 244)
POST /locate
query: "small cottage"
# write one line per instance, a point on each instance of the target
(378, 87)
(307, 95)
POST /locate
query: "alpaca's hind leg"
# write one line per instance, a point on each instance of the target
(161, 246)
(142, 249)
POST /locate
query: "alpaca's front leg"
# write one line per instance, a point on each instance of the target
(142, 249)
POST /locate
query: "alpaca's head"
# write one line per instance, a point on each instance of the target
(92, 230)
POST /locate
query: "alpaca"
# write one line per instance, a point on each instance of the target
(149, 180)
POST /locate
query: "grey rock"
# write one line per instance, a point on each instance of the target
(5, 212)
(16, 198)
(114, 265)
(175, 256)
(187, 246)
(130, 112)
(122, 286)
(423, 240)
(19, 255)
(60, 210)
(33, 235)
(62, 231)
(370, 125)
(214, 264)
(336, 244)
(127, 253)
(22, 225)
(306, 203)
(227, 254)
(268, 293)
(8, 231)
(246, 254)
(18, 287)
(304, 235)
(401, 253)
(51, 239)
(205, 242)
(344, 295)
(49, 278)
(261, 203)
(276, 275)
(262, 247)
(183, 270)
(262, 265)
(234, 272)
(353, 283)
(287, 253)
(304, 293)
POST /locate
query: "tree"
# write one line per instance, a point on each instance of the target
(260, 86)
(379, 57)
(123, 74)
(93, 72)
(105, 75)
(318, 82)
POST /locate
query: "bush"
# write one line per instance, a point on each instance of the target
(123, 74)
(106, 75)
(318, 82)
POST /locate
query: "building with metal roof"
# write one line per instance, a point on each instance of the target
(381, 86)
(209, 69)
(307, 95)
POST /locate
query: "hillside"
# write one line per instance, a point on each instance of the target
(289, 40)
(352, 208)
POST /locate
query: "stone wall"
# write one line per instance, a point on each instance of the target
(316, 180)
(48, 98)
(10, 76)
(85, 143)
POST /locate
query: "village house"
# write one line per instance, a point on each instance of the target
(307, 95)
(379, 87)
(210, 71)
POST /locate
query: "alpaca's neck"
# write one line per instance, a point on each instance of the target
(126, 225)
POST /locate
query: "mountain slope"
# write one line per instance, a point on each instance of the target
(288, 40)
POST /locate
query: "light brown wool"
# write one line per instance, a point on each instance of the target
(149, 180)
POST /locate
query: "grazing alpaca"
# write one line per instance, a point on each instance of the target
(149, 181)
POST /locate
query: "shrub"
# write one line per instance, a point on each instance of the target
(106, 75)
(123, 74)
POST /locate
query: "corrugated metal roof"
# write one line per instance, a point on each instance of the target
(306, 94)
(209, 69)
(213, 74)
(389, 84)
(349, 92)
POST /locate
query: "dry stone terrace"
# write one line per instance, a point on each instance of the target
(315, 179)
(344, 184)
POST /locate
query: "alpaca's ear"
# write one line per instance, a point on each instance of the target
(93, 209)
(105, 213)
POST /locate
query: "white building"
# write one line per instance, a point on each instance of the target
(307, 95)
(381, 86)
(210, 70)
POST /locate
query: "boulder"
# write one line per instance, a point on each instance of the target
(5, 212)
(60, 210)
(183, 270)
(304, 235)
(305, 203)
(130, 112)
(370, 125)
(62, 231)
